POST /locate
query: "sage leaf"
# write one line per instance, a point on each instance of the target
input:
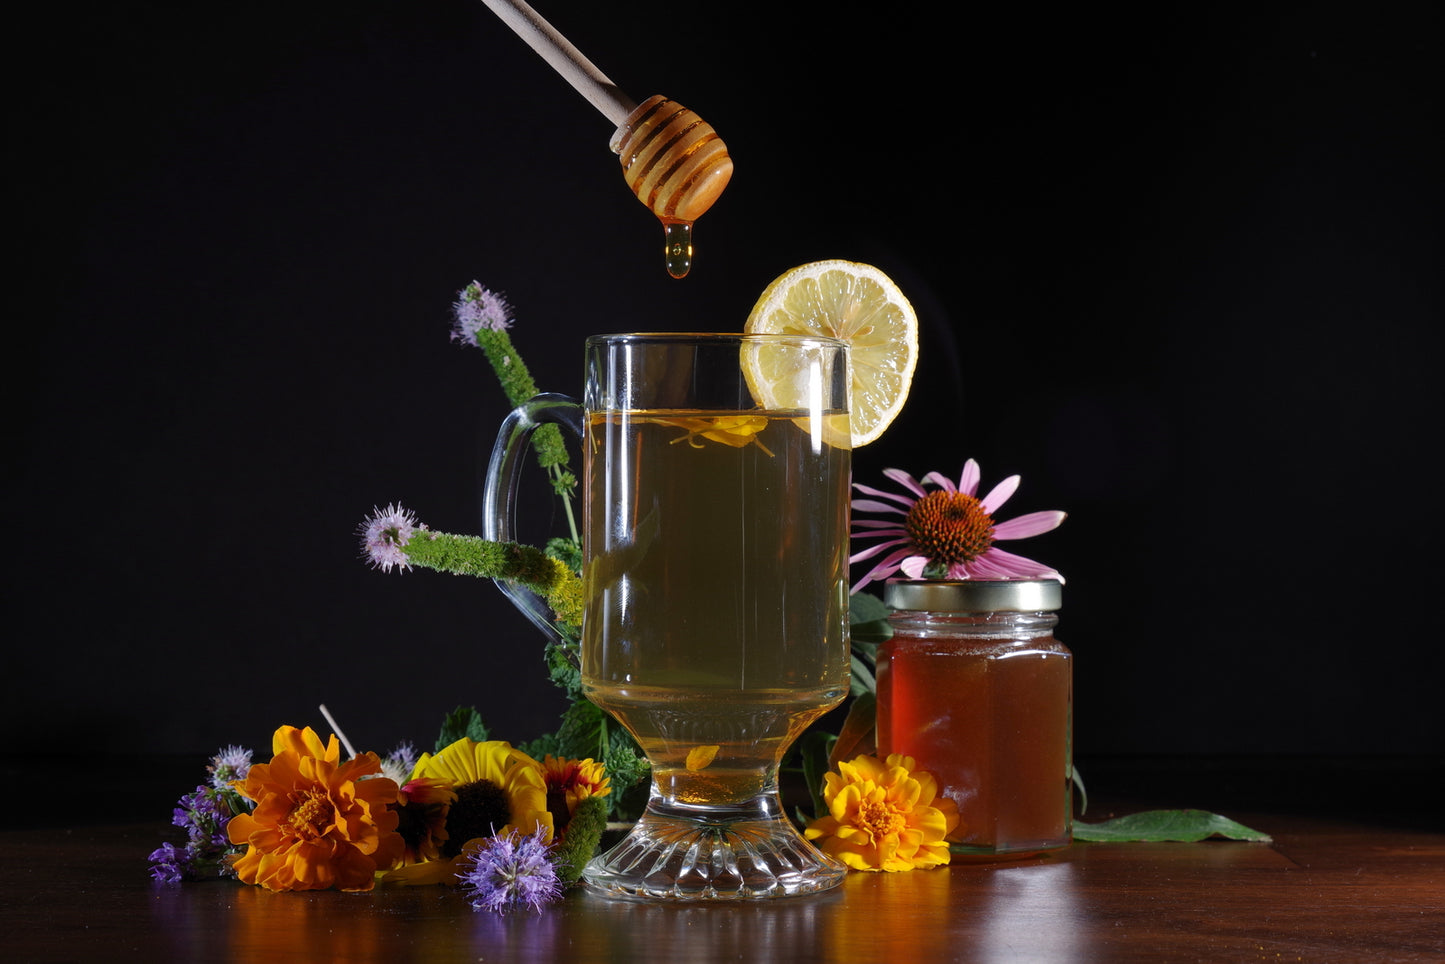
(1155, 826)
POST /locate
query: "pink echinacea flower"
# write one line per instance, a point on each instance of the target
(947, 532)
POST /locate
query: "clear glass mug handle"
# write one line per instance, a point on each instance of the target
(499, 490)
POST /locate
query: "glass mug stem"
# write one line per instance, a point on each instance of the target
(715, 593)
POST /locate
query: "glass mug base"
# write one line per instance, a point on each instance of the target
(754, 853)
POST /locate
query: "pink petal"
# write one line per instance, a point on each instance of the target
(968, 481)
(941, 480)
(980, 568)
(999, 494)
(1016, 566)
(884, 569)
(869, 490)
(1031, 524)
(878, 524)
(868, 505)
(913, 566)
(905, 480)
(872, 551)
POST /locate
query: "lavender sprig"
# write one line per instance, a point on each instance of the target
(204, 815)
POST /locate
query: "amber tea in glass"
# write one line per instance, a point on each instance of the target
(716, 588)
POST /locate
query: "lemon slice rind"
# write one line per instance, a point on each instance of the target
(857, 304)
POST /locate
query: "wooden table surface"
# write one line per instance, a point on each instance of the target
(1369, 887)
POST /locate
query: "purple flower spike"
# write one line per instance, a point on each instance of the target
(385, 533)
(479, 309)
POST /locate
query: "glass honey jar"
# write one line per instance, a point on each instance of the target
(974, 686)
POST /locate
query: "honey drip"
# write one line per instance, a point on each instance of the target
(677, 246)
(676, 165)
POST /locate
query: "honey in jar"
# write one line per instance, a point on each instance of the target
(974, 686)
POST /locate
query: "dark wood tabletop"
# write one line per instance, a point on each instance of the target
(1361, 886)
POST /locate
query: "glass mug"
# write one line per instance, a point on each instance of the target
(715, 582)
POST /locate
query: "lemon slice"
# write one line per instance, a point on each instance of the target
(857, 304)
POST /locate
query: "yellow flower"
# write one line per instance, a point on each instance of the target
(497, 789)
(318, 822)
(884, 816)
(701, 757)
(735, 430)
(575, 780)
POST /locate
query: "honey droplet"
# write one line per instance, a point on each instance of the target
(677, 239)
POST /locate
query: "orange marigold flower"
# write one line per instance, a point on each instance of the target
(884, 816)
(574, 780)
(318, 822)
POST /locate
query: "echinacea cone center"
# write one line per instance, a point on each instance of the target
(949, 527)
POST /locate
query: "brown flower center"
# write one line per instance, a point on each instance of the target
(880, 819)
(312, 816)
(949, 527)
(480, 810)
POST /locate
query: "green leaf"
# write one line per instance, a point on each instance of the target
(858, 734)
(866, 608)
(567, 551)
(540, 747)
(562, 669)
(1155, 826)
(627, 769)
(464, 721)
(862, 680)
(583, 732)
(813, 749)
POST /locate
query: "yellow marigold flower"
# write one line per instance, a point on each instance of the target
(884, 815)
(576, 780)
(318, 822)
(497, 789)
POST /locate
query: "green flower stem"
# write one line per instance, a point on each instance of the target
(580, 840)
(547, 441)
(474, 556)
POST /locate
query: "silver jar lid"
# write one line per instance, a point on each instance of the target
(974, 595)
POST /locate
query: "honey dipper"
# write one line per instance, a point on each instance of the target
(672, 159)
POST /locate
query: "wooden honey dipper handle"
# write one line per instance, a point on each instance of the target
(673, 160)
(564, 58)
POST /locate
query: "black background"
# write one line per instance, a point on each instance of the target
(1178, 268)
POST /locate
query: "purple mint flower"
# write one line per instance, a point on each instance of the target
(385, 533)
(512, 872)
(399, 764)
(231, 763)
(479, 309)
